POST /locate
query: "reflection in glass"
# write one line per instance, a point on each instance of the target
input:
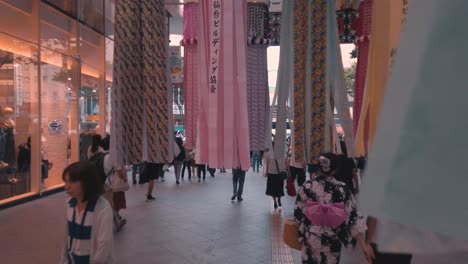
(57, 74)
(109, 74)
(68, 6)
(22, 22)
(18, 73)
(58, 32)
(91, 13)
(110, 18)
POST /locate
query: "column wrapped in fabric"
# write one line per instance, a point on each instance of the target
(257, 75)
(155, 81)
(127, 82)
(141, 110)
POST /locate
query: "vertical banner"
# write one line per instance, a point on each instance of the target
(222, 137)
(215, 29)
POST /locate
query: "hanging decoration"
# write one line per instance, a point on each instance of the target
(318, 24)
(223, 133)
(362, 43)
(275, 27)
(336, 84)
(345, 4)
(387, 22)
(418, 184)
(191, 102)
(141, 127)
(284, 82)
(347, 24)
(301, 60)
(257, 75)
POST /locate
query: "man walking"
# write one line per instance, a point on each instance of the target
(238, 178)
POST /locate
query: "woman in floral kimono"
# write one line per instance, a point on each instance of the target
(327, 216)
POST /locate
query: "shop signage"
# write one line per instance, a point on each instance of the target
(18, 84)
(276, 6)
(175, 61)
(55, 125)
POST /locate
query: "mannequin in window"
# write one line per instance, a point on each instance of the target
(46, 165)
(7, 138)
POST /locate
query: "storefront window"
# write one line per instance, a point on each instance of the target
(23, 23)
(18, 116)
(109, 76)
(91, 13)
(58, 32)
(67, 6)
(89, 100)
(57, 91)
(55, 83)
(110, 18)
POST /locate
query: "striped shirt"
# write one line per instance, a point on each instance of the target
(89, 236)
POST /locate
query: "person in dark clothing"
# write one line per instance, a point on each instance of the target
(211, 171)
(105, 143)
(347, 173)
(238, 179)
(201, 168)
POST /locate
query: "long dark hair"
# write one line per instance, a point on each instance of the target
(97, 141)
(179, 141)
(87, 174)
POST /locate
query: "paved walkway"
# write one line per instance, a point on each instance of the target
(188, 223)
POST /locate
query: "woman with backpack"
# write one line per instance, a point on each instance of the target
(179, 157)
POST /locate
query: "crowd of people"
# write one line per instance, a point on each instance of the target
(331, 187)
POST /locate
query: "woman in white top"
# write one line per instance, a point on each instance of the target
(89, 237)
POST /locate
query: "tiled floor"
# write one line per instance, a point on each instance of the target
(188, 223)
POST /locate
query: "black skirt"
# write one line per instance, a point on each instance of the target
(275, 185)
(153, 170)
